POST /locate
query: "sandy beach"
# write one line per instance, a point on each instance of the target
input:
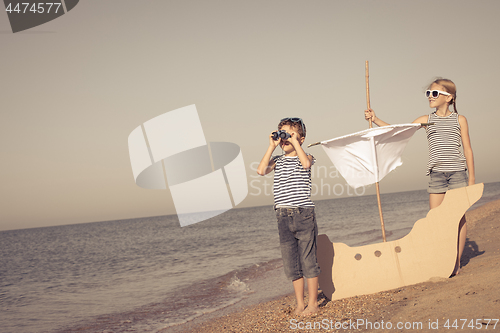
(467, 302)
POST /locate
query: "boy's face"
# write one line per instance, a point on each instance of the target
(286, 144)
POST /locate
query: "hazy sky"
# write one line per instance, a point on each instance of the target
(73, 89)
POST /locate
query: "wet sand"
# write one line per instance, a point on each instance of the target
(465, 302)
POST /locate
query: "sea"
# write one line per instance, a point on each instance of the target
(150, 275)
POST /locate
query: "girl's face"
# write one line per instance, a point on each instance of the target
(441, 100)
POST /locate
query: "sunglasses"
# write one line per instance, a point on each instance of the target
(295, 120)
(435, 93)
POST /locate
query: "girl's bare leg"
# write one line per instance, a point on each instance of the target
(462, 237)
(435, 200)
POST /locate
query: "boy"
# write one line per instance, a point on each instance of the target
(294, 210)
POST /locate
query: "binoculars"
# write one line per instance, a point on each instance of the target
(280, 134)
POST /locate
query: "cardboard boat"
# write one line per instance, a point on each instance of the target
(428, 251)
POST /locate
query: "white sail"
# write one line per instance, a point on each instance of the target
(365, 157)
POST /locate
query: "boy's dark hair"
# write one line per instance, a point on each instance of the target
(296, 125)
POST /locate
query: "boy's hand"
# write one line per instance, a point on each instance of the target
(272, 142)
(293, 140)
(267, 164)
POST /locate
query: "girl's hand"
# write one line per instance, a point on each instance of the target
(472, 181)
(370, 115)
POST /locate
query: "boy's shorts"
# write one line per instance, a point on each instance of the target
(298, 231)
(441, 182)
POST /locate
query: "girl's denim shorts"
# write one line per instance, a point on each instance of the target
(441, 182)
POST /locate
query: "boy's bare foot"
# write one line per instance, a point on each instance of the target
(310, 310)
(298, 310)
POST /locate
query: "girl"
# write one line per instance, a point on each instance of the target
(447, 164)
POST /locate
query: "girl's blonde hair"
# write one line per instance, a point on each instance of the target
(449, 87)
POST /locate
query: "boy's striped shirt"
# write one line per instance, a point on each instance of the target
(292, 183)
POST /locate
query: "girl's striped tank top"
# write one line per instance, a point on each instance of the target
(445, 142)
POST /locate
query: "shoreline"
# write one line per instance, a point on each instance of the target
(473, 294)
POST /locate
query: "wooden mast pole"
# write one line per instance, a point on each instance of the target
(370, 122)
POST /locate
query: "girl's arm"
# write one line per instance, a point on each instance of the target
(267, 165)
(469, 156)
(421, 119)
(370, 114)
